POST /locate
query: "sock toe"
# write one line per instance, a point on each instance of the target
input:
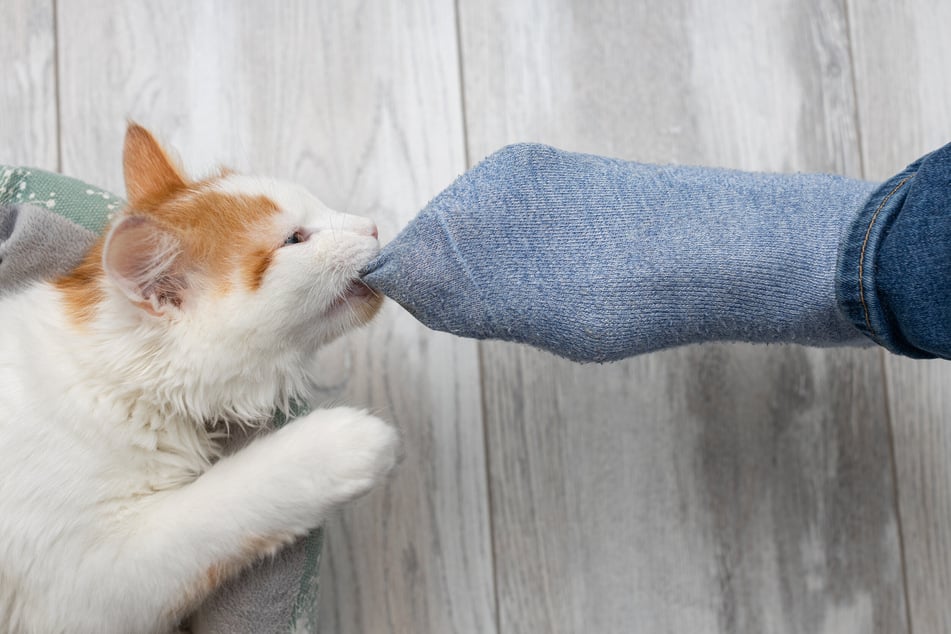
(420, 269)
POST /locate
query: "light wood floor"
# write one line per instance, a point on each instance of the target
(707, 489)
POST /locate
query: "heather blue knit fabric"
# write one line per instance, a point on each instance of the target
(596, 259)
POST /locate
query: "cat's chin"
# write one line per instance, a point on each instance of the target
(359, 299)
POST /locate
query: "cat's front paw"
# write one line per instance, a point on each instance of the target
(358, 451)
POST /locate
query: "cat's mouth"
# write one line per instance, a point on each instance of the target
(355, 292)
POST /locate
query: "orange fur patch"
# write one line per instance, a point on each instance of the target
(149, 172)
(256, 265)
(220, 234)
(80, 287)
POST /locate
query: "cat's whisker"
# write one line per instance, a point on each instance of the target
(373, 291)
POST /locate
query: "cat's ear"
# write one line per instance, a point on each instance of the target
(149, 172)
(145, 262)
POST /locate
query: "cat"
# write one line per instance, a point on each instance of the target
(198, 311)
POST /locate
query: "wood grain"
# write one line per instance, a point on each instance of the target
(28, 92)
(902, 56)
(708, 489)
(361, 104)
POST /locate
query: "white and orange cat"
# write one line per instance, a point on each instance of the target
(199, 309)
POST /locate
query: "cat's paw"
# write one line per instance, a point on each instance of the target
(357, 451)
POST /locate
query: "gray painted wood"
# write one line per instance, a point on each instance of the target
(902, 56)
(28, 91)
(708, 489)
(361, 104)
(713, 489)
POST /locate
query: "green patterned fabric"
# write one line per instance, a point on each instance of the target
(265, 599)
(87, 206)
(304, 615)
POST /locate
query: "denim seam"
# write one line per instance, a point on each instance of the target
(868, 233)
(465, 267)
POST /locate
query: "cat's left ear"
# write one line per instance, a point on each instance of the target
(150, 174)
(145, 261)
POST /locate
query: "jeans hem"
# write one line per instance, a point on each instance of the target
(856, 283)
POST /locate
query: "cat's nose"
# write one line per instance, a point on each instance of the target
(369, 229)
(359, 225)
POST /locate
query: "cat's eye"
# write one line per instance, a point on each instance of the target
(295, 238)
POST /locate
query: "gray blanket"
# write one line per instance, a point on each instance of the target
(47, 223)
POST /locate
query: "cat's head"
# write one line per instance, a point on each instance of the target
(229, 274)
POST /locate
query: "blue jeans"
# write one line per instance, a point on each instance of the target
(894, 269)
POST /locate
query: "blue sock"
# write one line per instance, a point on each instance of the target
(596, 259)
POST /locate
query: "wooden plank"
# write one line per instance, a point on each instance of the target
(28, 92)
(360, 103)
(902, 55)
(707, 489)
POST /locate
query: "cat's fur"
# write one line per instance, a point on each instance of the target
(118, 380)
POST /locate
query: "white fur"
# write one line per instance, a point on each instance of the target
(114, 504)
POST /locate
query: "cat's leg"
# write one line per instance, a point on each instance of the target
(251, 503)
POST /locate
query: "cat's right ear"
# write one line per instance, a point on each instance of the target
(149, 172)
(145, 262)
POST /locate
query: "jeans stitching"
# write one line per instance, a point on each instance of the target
(868, 233)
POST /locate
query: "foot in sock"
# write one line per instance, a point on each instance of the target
(597, 259)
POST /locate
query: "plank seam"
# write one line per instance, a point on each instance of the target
(889, 420)
(480, 356)
(56, 87)
(462, 86)
(892, 457)
(855, 89)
